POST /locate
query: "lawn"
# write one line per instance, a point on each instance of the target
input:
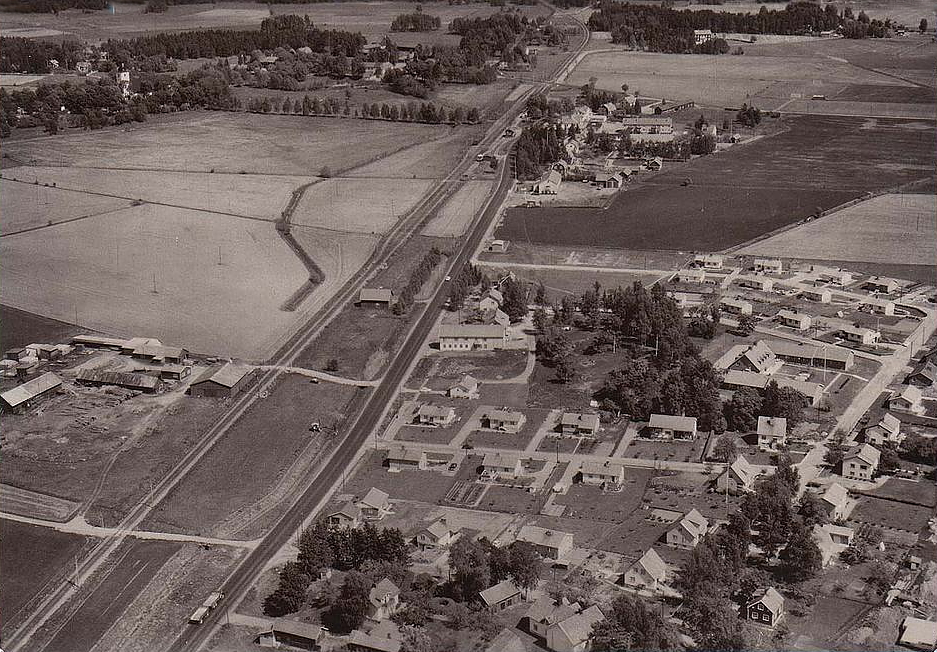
(772, 188)
(679, 451)
(19, 328)
(32, 557)
(884, 229)
(923, 493)
(483, 365)
(888, 514)
(589, 502)
(251, 459)
(424, 486)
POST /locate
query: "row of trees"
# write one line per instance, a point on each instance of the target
(415, 22)
(538, 146)
(410, 112)
(468, 278)
(33, 56)
(49, 6)
(287, 31)
(418, 277)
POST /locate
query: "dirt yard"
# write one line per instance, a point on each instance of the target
(881, 230)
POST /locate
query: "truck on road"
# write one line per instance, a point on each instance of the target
(198, 616)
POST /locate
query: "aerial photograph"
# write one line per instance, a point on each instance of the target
(468, 325)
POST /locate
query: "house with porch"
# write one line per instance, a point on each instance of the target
(599, 473)
(435, 415)
(504, 420)
(577, 424)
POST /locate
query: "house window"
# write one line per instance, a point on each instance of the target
(766, 617)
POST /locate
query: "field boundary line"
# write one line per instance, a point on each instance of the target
(30, 229)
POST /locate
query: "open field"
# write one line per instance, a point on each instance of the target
(886, 513)
(18, 328)
(722, 81)
(27, 206)
(454, 218)
(251, 458)
(431, 158)
(775, 182)
(31, 556)
(338, 254)
(372, 19)
(155, 270)
(36, 505)
(254, 195)
(359, 205)
(225, 142)
(884, 229)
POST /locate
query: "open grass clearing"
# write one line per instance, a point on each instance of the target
(776, 181)
(252, 458)
(721, 81)
(888, 514)
(254, 195)
(226, 142)
(455, 216)
(211, 283)
(31, 557)
(28, 206)
(883, 229)
(923, 493)
(359, 205)
(587, 501)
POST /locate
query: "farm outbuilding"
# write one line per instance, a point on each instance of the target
(20, 398)
(221, 382)
(135, 382)
(376, 297)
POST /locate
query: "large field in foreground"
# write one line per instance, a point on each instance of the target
(226, 142)
(885, 229)
(105, 267)
(744, 192)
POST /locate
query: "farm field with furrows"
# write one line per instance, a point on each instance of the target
(745, 192)
(454, 218)
(261, 196)
(880, 230)
(428, 159)
(211, 283)
(359, 205)
(226, 142)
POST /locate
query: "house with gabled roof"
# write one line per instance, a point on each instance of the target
(577, 424)
(736, 306)
(348, 515)
(766, 607)
(465, 388)
(671, 427)
(835, 499)
(738, 478)
(755, 358)
(404, 458)
(761, 283)
(574, 634)
(546, 612)
(375, 504)
(506, 420)
(832, 540)
(923, 375)
(501, 596)
(649, 572)
(221, 382)
(599, 473)
(909, 400)
(886, 431)
(860, 335)
(691, 275)
(435, 415)
(495, 465)
(820, 295)
(359, 641)
(797, 320)
(709, 261)
(769, 265)
(19, 398)
(377, 297)
(385, 600)
(861, 463)
(438, 534)
(772, 431)
(551, 544)
(688, 531)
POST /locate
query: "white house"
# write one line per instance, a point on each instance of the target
(688, 531)
(505, 420)
(472, 337)
(405, 458)
(836, 500)
(465, 388)
(649, 572)
(579, 424)
(736, 306)
(769, 265)
(738, 478)
(668, 426)
(546, 612)
(820, 295)
(438, 534)
(859, 335)
(349, 515)
(692, 275)
(495, 465)
(772, 432)
(760, 283)
(574, 634)
(435, 415)
(375, 504)
(599, 473)
(551, 544)
(886, 431)
(909, 400)
(879, 306)
(861, 462)
(385, 600)
(548, 184)
(709, 261)
(793, 319)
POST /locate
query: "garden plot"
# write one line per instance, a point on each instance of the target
(882, 230)
(454, 218)
(211, 283)
(27, 206)
(359, 205)
(261, 196)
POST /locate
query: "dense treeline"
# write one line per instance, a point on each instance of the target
(415, 22)
(418, 277)
(99, 104)
(32, 56)
(661, 29)
(539, 145)
(489, 35)
(49, 6)
(277, 31)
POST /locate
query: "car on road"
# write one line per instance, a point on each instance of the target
(448, 278)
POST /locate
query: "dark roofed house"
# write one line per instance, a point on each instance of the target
(21, 397)
(924, 375)
(292, 633)
(359, 641)
(136, 382)
(376, 297)
(221, 382)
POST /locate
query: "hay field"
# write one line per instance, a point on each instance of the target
(338, 255)
(722, 81)
(883, 229)
(227, 142)
(26, 206)
(454, 217)
(359, 205)
(105, 267)
(263, 196)
(431, 159)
